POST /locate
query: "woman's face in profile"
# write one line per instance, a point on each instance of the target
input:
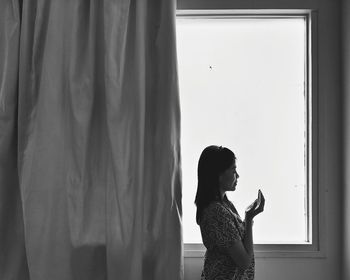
(228, 178)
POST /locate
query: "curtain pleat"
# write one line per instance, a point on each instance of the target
(90, 175)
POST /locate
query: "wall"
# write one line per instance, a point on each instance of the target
(345, 35)
(330, 143)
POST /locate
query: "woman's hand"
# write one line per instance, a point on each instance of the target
(256, 207)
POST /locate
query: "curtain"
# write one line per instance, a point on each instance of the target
(90, 178)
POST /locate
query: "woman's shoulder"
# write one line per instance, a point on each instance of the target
(221, 209)
(211, 211)
(214, 207)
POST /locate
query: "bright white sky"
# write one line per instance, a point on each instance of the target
(242, 86)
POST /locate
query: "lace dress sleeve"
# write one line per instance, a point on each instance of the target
(219, 227)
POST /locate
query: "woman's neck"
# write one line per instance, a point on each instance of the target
(222, 195)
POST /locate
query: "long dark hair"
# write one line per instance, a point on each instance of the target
(213, 161)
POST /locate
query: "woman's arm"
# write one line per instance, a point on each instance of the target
(241, 252)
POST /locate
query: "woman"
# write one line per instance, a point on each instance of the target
(228, 239)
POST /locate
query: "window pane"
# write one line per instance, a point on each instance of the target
(242, 85)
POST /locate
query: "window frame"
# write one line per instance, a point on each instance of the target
(314, 247)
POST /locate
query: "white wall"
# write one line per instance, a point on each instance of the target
(345, 35)
(330, 143)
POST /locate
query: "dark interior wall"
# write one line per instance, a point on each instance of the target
(345, 68)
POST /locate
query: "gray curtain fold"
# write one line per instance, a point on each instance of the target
(90, 175)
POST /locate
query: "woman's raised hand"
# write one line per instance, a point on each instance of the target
(256, 207)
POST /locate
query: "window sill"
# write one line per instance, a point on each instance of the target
(306, 250)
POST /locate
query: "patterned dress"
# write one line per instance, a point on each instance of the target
(220, 227)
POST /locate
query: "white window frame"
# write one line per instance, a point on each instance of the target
(313, 248)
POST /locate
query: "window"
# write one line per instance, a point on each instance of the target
(245, 83)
